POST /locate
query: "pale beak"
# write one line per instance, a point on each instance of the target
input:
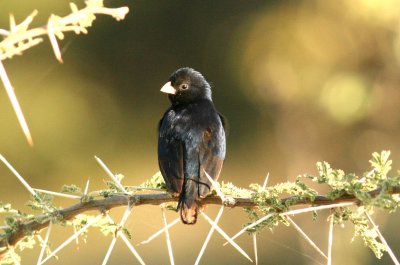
(167, 88)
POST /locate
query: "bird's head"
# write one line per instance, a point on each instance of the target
(186, 85)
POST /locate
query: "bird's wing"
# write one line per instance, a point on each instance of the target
(211, 156)
(170, 159)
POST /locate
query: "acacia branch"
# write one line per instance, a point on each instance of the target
(103, 205)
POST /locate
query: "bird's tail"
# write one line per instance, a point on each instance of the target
(188, 202)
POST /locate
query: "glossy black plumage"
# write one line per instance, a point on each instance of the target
(191, 140)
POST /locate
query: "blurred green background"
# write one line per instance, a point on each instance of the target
(299, 82)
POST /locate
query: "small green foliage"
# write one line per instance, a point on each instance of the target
(43, 202)
(381, 165)
(171, 206)
(341, 184)
(127, 232)
(106, 193)
(367, 234)
(113, 187)
(6, 208)
(155, 182)
(229, 189)
(72, 188)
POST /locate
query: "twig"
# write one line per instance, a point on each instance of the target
(158, 198)
(389, 250)
(169, 245)
(213, 226)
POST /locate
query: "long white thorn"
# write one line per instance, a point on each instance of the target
(292, 212)
(132, 249)
(255, 247)
(389, 250)
(14, 257)
(59, 194)
(53, 39)
(128, 243)
(15, 103)
(70, 239)
(114, 240)
(44, 243)
(86, 188)
(76, 239)
(169, 245)
(20, 178)
(266, 181)
(222, 232)
(330, 239)
(159, 232)
(110, 248)
(216, 187)
(213, 226)
(309, 240)
(109, 173)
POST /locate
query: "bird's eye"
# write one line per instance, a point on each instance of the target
(184, 86)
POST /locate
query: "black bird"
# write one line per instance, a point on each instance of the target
(191, 141)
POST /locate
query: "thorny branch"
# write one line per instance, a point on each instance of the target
(103, 205)
(20, 38)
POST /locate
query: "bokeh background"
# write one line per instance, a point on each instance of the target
(299, 82)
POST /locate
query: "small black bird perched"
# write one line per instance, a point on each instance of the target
(191, 140)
